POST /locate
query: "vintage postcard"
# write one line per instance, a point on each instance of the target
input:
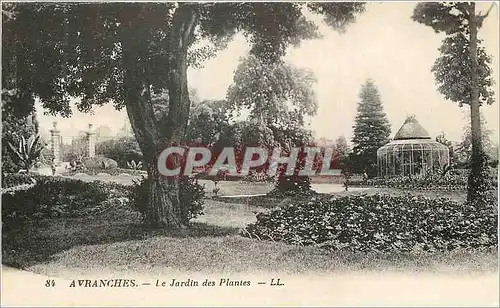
(250, 153)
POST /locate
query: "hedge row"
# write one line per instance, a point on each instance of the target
(420, 182)
(56, 197)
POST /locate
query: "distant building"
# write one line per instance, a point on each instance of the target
(126, 130)
(103, 132)
(412, 151)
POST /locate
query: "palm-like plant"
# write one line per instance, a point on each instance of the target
(134, 165)
(26, 153)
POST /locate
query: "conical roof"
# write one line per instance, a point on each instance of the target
(411, 129)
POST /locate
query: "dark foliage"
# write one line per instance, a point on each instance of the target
(479, 180)
(453, 180)
(290, 186)
(122, 150)
(124, 53)
(371, 131)
(380, 223)
(51, 197)
(100, 162)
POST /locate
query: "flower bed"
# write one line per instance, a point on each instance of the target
(418, 182)
(380, 223)
(58, 197)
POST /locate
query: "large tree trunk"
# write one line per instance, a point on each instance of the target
(476, 177)
(474, 100)
(181, 36)
(164, 208)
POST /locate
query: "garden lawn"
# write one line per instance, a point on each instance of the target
(234, 188)
(115, 242)
(227, 188)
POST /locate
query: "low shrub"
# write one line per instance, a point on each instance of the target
(453, 180)
(379, 223)
(122, 150)
(480, 180)
(191, 195)
(15, 179)
(53, 197)
(292, 186)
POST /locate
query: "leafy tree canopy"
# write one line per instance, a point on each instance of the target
(208, 121)
(277, 93)
(452, 69)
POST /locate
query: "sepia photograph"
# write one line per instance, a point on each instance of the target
(250, 153)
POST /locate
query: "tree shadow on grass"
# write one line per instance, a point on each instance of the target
(195, 230)
(30, 243)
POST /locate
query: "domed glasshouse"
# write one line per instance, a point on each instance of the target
(411, 152)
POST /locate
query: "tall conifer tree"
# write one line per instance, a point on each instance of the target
(371, 130)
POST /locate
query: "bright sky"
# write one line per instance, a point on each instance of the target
(384, 44)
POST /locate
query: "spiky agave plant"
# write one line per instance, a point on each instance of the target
(27, 152)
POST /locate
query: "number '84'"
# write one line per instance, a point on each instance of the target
(50, 283)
